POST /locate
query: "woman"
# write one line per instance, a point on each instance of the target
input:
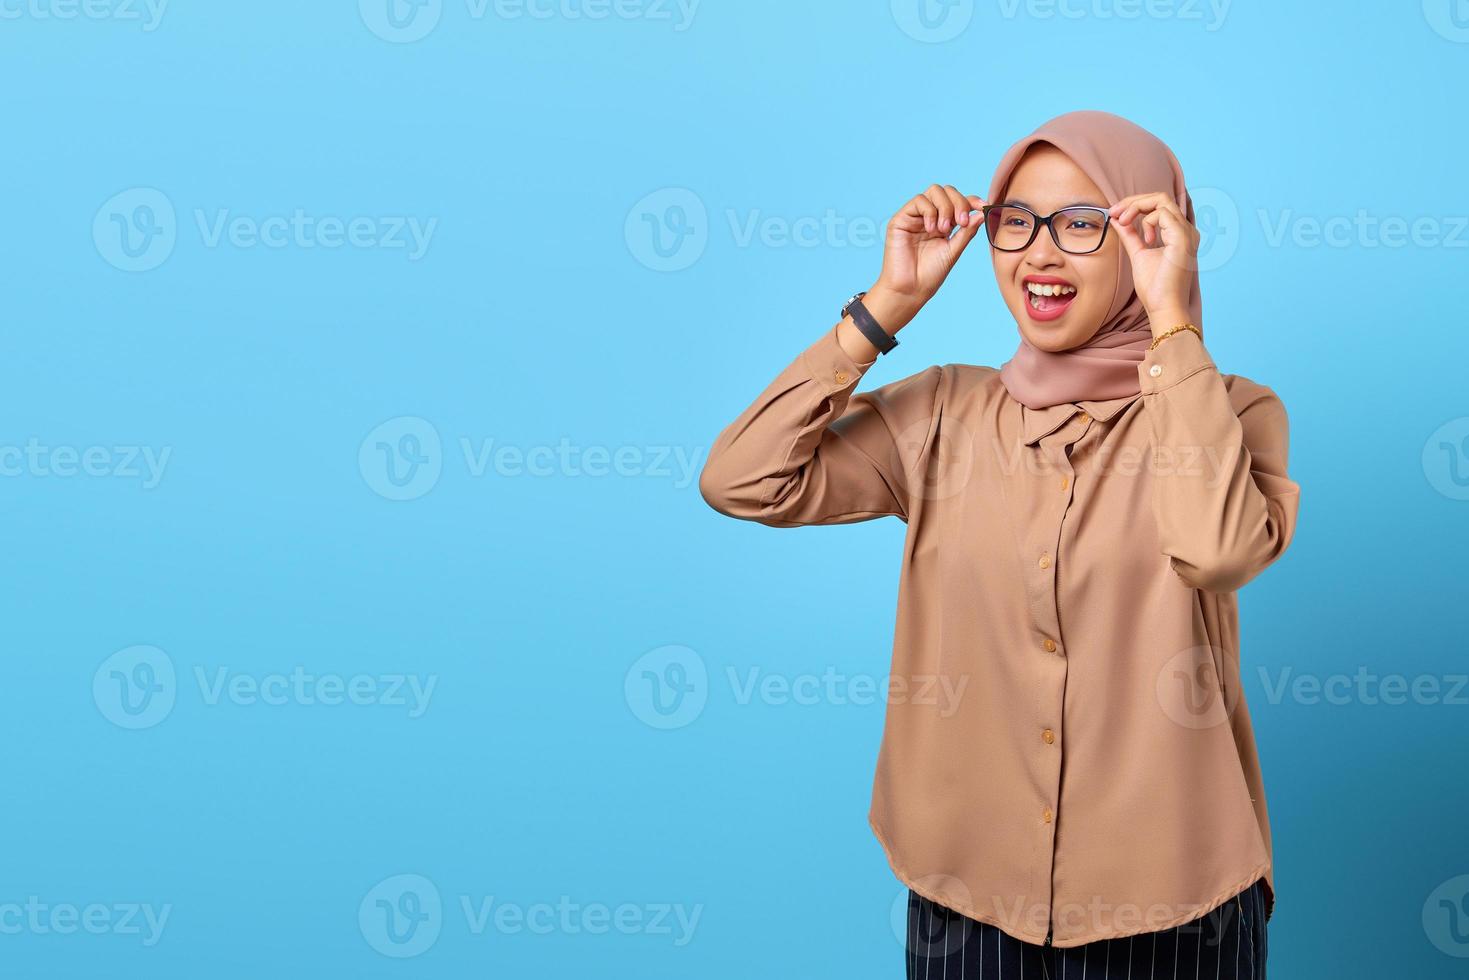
(1089, 797)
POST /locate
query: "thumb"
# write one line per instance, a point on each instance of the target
(965, 234)
(1131, 240)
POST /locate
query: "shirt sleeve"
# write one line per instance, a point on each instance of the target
(1224, 503)
(809, 451)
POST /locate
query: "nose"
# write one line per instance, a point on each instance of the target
(1043, 253)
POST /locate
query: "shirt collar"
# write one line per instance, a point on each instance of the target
(1039, 422)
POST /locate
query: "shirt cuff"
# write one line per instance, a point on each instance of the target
(831, 366)
(1181, 355)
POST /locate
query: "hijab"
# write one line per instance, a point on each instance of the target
(1121, 158)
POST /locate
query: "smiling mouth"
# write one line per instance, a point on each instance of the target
(1048, 299)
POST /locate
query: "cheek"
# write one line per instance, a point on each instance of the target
(1006, 267)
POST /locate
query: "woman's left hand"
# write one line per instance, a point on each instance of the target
(1163, 276)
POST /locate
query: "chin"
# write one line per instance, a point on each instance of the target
(1051, 337)
(1055, 336)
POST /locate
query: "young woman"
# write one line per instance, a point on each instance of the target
(1087, 796)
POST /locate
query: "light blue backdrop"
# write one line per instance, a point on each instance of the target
(358, 366)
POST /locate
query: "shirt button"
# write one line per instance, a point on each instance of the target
(1049, 736)
(1085, 417)
(841, 377)
(1046, 814)
(1155, 370)
(1045, 561)
(1050, 645)
(1065, 482)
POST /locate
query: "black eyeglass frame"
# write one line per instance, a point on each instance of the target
(1046, 220)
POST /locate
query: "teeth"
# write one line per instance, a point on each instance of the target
(1049, 289)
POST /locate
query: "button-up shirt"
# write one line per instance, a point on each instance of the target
(1067, 752)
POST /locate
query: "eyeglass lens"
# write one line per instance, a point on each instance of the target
(1076, 229)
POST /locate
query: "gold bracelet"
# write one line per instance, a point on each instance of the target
(1182, 326)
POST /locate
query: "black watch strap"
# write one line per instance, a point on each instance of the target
(876, 335)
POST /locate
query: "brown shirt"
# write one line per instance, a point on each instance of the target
(1067, 747)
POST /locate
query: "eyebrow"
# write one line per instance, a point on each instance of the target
(1074, 204)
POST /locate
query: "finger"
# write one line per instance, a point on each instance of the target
(1130, 239)
(922, 210)
(1118, 206)
(966, 234)
(960, 204)
(1134, 204)
(1169, 205)
(944, 206)
(1149, 227)
(978, 204)
(1133, 209)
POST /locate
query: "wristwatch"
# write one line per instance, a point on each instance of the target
(875, 334)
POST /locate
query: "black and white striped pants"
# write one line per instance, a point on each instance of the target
(1228, 943)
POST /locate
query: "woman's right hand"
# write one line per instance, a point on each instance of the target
(924, 241)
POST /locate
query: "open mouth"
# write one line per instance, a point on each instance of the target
(1047, 297)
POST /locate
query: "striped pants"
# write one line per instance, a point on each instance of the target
(1228, 943)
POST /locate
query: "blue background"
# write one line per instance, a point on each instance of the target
(544, 313)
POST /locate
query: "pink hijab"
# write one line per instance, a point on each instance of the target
(1121, 158)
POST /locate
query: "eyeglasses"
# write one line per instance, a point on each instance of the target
(1011, 228)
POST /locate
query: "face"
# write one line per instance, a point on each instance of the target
(1044, 181)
